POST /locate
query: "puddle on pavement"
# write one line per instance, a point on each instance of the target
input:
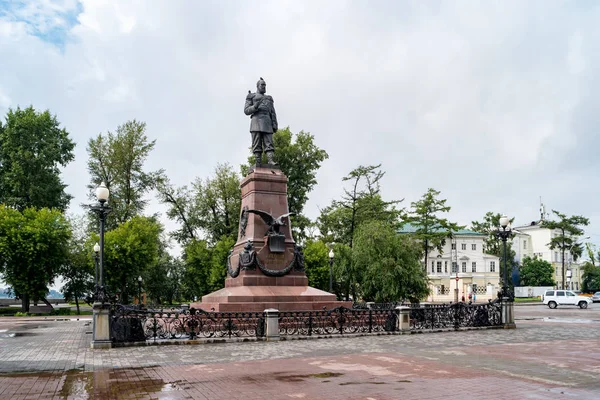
(301, 378)
(83, 385)
(16, 334)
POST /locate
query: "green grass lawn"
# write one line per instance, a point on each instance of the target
(528, 299)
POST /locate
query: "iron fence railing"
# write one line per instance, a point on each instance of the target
(456, 315)
(340, 320)
(133, 324)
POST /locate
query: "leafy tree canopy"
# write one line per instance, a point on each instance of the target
(390, 264)
(131, 250)
(33, 247)
(316, 261)
(569, 230)
(536, 272)
(117, 159)
(431, 229)
(209, 210)
(360, 203)
(33, 147)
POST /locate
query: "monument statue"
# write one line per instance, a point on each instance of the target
(263, 123)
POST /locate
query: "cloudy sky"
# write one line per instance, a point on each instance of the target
(492, 103)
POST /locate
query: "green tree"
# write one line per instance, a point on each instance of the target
(33, 246)
(492, 244)
(33, 147)
(431, 229)
(218, 263)
(390, 263)
(536, 272)
(117, 159)
(197, 259)
(163, 280)
(299, 159)
(590, 280)
(316, 262)
(77, 271)
(361, 203)
(211, 207)
(569, 230)
(131, 250)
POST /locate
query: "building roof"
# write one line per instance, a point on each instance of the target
(408, 228)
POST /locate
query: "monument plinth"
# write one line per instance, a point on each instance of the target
(265, 269)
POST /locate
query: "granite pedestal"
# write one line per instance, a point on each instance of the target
(259, 288)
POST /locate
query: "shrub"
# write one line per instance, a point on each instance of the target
(8, 311)
(22, 314)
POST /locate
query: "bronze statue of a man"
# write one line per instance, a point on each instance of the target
(263, 121)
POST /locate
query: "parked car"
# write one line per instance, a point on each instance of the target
(596, 297)
(553, 298)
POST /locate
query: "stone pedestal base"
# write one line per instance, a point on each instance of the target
(101, 327)
(508, 314)
(260, 298)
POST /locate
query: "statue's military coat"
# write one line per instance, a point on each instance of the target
(264, 119)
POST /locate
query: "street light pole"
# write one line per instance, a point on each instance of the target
(331, 255)
(140, 291)
(102, 210)
(504, 234)
(96, 257)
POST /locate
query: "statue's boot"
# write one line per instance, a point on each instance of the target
(270, 159)
(258, 158)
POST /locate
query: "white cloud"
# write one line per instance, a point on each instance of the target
(493, 104)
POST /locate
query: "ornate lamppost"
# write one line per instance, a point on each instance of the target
(504, 233)
(102, 210)
(140, 291)
(101, 338)
(96, 258)
(331, 270)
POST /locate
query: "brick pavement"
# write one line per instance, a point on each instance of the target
(52, 360)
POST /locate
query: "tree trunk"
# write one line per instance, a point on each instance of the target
(77, 303)
(25, 302)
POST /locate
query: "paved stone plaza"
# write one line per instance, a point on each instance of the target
(553, 354)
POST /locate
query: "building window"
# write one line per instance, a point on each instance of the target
(454, 267)
(492, 266)
(556, 256)
(473, 266)
(524, 244)
(439, 267)
(445, 267)
(432, 267)
(464, 266)
(473, 246)
(453, 246)
(463, 246)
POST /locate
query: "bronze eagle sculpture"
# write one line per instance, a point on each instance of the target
(273, 223)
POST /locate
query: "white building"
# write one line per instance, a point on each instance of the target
(461, 265)
(533, 240)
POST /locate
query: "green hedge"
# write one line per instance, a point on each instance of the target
(8, 310)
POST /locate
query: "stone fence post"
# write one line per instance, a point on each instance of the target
(403, 318)
(272, 331)
(101, 327)
(508, 313)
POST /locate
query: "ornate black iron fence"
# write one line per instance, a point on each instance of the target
(456, 315)
(340, 320)
(132, 324)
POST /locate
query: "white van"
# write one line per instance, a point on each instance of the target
(565, 297)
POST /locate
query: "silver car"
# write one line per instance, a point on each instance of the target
(596, 297)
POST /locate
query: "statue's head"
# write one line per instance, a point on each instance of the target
(261, 86)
